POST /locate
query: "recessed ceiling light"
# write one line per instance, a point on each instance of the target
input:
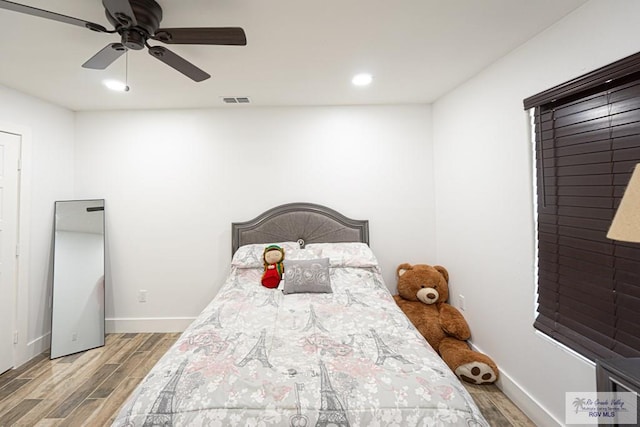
(362, 79)
(116, 85)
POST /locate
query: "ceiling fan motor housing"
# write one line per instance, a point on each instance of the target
(148, 15)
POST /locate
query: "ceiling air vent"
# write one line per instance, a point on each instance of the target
(236, 100)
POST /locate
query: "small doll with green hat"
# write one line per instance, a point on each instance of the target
(272, 257)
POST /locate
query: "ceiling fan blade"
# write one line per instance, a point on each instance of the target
(121, 10)
(16, 7)
(105, 57)
(178, 63)
(234, 36)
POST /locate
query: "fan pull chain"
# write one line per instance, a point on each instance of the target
(126, 71)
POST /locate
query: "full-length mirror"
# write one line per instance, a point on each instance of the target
(77, 316)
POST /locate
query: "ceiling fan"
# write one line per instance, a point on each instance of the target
(137, 21)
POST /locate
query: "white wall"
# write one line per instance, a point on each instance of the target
(48, 176)
(484, 198)
(175, 180)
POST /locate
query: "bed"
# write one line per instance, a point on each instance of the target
(301, 355)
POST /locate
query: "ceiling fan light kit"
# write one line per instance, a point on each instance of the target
(116, 86)
(137, 21)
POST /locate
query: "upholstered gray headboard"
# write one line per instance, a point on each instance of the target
(302, 222)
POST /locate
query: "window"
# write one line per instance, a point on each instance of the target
(587, 144)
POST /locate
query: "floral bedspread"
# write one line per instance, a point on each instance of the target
(257, 357)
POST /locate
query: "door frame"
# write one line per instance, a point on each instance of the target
(23, 351)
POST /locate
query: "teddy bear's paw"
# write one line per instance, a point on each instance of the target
(476, 373)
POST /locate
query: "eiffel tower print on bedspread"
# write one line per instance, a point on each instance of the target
(258, 352)
(162, 411)
(313, 323)
(331, 409)
(384, 352)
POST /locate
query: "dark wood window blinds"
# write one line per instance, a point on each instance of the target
(587, 144)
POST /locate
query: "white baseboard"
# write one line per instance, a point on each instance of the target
(523, 400)
(112, 325)
(33, 349)
(147, 324)
(527, 403)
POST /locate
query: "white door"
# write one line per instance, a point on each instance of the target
(9, 181)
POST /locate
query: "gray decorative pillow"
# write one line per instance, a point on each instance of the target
(306, 276)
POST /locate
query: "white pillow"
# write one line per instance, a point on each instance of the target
(348, 254)
(301, 254)
(250, 256)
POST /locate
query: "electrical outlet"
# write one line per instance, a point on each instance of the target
(142, 295)
(462, 304)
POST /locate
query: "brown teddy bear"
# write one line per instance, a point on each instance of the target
(423, 292)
